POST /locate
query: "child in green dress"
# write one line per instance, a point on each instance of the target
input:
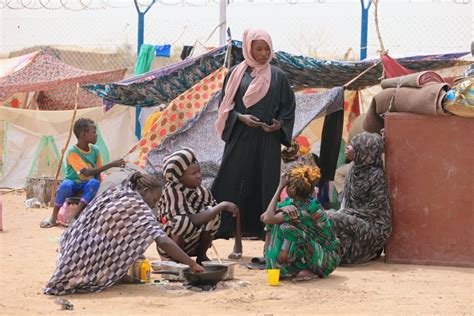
(302, 240)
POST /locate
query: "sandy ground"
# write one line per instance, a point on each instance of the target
(28, 256)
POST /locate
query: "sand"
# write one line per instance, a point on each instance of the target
(28, 255)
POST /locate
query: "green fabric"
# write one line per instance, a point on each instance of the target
(47, 149)
(90, 158)
(104, 151)
(341, 159)
(145, 59)
(311, 244)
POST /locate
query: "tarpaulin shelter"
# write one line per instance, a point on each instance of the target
(164, 85)
(190, 86)
(51, 81)
(31, 137)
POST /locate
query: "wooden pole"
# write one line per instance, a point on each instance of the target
(63, 151)
(361, 74)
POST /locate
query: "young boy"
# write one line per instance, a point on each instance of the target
(83, 169)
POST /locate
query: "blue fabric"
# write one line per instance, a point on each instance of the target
(163, 50)
(69, 188)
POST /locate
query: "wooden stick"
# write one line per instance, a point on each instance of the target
(58, 170)
(361, 74)
(217, 254)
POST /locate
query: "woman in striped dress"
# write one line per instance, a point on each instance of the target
(302, 240)
(190, 214)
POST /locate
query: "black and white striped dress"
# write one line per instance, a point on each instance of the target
(178, 202)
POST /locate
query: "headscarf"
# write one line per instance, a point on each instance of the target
(177, 163)
(365, 190)
(258, 87)
(178, 199)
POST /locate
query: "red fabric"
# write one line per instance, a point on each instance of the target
(392, 68)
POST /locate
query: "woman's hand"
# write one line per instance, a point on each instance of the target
(283, 180)
(283, 257)
(276, 125)
(291, 210)
(229, 207)
(196, 268)
(250, 120)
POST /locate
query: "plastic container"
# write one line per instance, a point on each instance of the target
(226, 263)
(273, 277)
(145, 271)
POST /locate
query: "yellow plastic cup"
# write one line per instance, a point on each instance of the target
(273, 277)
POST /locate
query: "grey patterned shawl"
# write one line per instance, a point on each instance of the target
(365, 189)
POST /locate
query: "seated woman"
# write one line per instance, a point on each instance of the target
(109, 236)
(363, 224)
(190, 213)
(302, 241)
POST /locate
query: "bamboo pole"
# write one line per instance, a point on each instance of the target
(63, 151)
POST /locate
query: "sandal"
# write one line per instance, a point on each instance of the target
(235, 256)
(259, 260)
(47, 222)
(255, 266)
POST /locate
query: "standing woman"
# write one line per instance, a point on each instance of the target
(255, 117)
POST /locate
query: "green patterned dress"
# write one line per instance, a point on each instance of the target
(312, 244)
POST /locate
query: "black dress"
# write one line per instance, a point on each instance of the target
(250, 169)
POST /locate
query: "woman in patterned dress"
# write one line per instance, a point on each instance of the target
(302, 240)
(108, 237)
(364, 223)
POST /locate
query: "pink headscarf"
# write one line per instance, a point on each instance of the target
(260, 84)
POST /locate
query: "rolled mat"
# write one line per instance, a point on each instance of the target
(416, 80)
(425, 101)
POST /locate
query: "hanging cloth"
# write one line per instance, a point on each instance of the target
(145, 59)
(163, 50)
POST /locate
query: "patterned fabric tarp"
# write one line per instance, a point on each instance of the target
(179, 111)
(164, 85)
(160, 86)
(200, 135)
(55, 81)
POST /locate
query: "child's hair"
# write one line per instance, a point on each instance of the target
(82, 126)
(140, 181)
(301, 180)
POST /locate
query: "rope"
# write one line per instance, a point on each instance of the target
(377, 29)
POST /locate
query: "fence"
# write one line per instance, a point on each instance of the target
(100, 36)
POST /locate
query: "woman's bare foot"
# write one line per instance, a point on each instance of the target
(304, 275)
(236, 254)
(48, 222)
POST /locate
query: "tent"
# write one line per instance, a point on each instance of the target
(37, 93)
(164, 85)
(51, 82)
(30, 141)
(191, 88)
